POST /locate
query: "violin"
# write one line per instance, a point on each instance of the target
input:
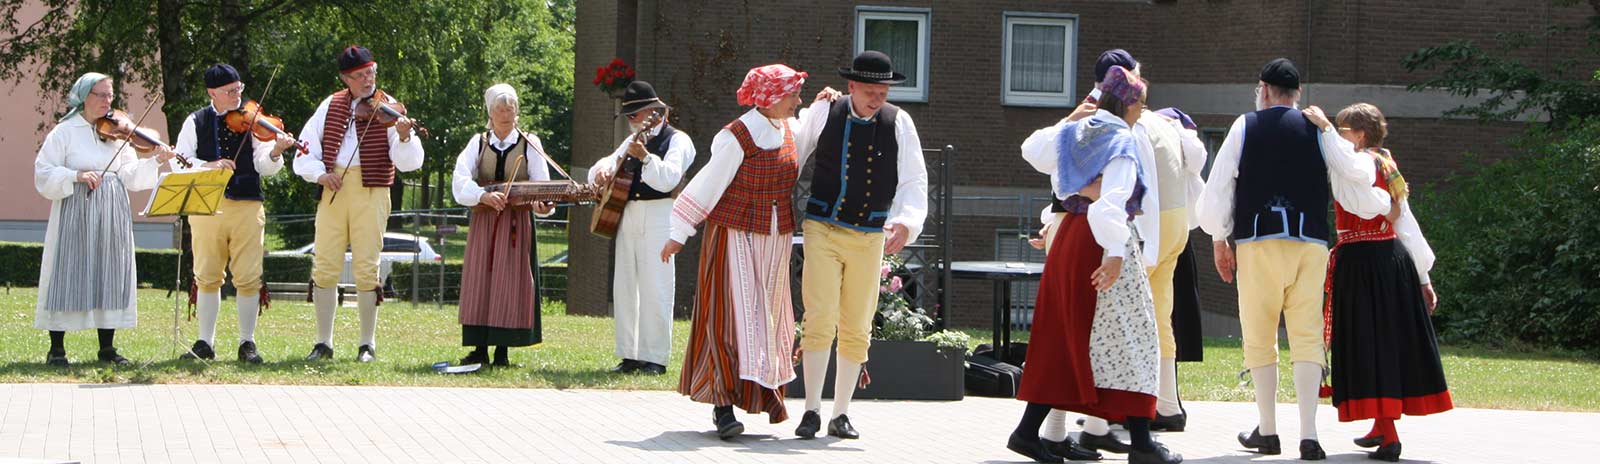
(377, 110)
(264, 127)
(116, 126)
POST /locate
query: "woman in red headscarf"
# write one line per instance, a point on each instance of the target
(742, 336)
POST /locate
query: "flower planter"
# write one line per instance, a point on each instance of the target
(901, 370)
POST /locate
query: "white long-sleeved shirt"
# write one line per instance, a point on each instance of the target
(73, 147)
(910, 207)
(1108, 216)
(1351, 175)
(187, 144)
(1194, 162)
(1410, 235)
(406, 156)
(465, 188)
(662, 173)
(707, 187)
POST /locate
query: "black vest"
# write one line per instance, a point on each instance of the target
(213, 141)
(1282, 190)
(857, 168)
(658, 145)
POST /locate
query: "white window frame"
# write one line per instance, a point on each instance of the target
(917, 92)
(1067, 98)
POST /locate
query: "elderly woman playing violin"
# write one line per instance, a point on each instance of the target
(215, 136)
(87, 277)
(356, 141)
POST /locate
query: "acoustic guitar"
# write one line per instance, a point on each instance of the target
(607, 217)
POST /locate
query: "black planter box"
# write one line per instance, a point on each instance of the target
(901, 370)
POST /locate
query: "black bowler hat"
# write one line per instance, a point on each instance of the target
(355, 58)
(872, 67)
(1281, 73)
(639, 96)
(221, 74)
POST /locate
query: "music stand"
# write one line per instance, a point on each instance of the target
(182, 194)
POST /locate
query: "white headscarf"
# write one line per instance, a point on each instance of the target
(496, 93)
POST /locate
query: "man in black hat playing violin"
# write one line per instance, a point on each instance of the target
(234, 236)
(642, 288)
(869, 197)
(354, 160)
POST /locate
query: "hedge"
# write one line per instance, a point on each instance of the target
(155, 267)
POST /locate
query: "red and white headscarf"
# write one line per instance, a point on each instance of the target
(764, 86)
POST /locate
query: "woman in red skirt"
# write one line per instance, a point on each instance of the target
(499, 299)
(1385, 360)
(1095, 343)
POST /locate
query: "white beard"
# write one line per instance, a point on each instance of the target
(635, 127)
(1261, 101)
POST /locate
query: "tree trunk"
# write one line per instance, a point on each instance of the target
(175, 60)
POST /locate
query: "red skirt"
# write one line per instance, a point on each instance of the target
(711, 366)
(497, 288)
(1058, 372)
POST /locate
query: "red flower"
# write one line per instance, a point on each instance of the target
(630, 73)
(616, 62)
(610, 81)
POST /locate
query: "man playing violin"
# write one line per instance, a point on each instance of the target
(235, 235)
(354, 159)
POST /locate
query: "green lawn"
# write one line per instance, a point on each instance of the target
(577, 350)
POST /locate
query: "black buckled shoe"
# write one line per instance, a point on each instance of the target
(475, 357)
(320, 352)
(366, 354)
(1310, 450)
(247, 353)
(1172, 423)
(1160, 455)
(1258, 443)
(1108, 443)
(109, 354)
(727, 426)
(1369, 442)
(1034, 448)
(650, 368)
(627, 366)
(1070, 450)
(810, 423)
(1389, 452)
(56, 358)
(840, 427)
(200, 350)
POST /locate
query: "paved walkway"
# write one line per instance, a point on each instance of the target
(248, 423)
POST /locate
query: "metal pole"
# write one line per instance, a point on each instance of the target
(416, 264)
(947, 204)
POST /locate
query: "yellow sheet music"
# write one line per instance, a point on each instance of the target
(190, 192)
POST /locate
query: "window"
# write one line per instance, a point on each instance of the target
(1213, 138)
(901, 33)
(1039, 59)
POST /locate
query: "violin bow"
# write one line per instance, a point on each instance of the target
(260, 107)
(116, 154)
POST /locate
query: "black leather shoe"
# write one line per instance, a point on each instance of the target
(1034, 448)
(1173, 423)
(1160, 455)
(1107, 443)
(365, 354)
(650, 368)
(840, 427)
(1369, 442)
(56, 358)
(110, 355)
(501, 358)
(627, 366)
(1389, 452)
(727, 426)
(1258, 443)
(810, 423)
(320, 352)
(1070, 450)
(200, 350)
(247, 353)
(475, 357)
(1310, 450)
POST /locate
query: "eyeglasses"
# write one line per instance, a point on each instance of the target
(236, 91)
(364, 74)
(105, 95)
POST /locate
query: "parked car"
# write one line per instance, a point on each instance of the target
(396, 247)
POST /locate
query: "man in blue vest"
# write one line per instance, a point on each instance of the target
(642, 286)
(233, 237)
(869, 197)
(1268, 194)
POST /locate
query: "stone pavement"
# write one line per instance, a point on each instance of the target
(263, 423)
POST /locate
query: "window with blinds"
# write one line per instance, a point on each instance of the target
(901, 33)
(1039, 65)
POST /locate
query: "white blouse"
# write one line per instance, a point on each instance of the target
(1108, 216)
(462, 183)
(73, 146)
(706, 188)
(187, 143)
(406, 156)
(662, 173)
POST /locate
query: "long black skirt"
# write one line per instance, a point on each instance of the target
(1385, 358)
